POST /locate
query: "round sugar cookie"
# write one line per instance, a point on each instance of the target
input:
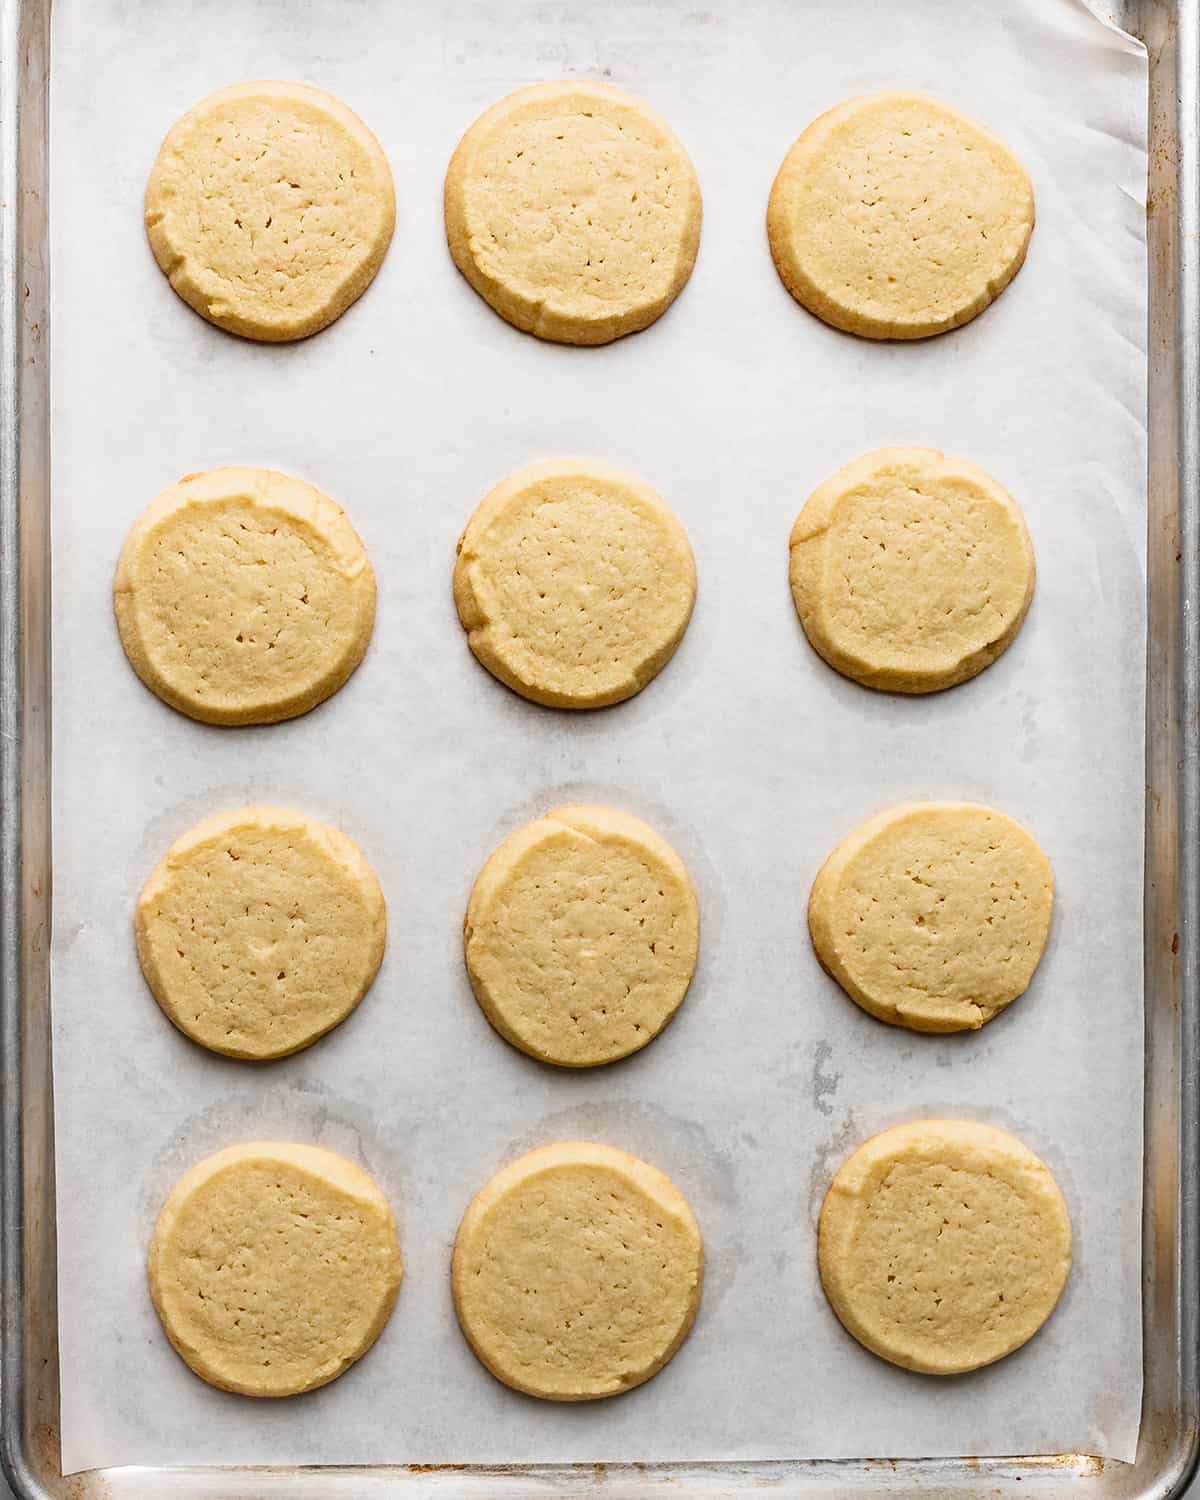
(577, 1272)
(260, 931)
(270, 208)
(911, 571)
(574, 583)
(895, 217)
(273, 1267)
(581, 936)
(933, 915)
(243, 597)
(573, 211)
(943, 1245)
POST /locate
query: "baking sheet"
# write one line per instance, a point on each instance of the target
(747, 753)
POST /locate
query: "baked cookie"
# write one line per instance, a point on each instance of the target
(574, 583)
(243, 597)
(273, 1267)
(260, 931)
(577, 1272)
(573, 211)
(943, 1245)
(895, 217)
(933, 915)
(911, 571)
(269, 208)
(581, 936)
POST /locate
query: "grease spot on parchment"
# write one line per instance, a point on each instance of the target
(827, 1158)
(824, 1083)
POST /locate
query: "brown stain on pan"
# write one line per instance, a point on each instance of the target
(47, 1455)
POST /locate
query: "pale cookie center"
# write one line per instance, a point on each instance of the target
(260, 938)
(942, 1253)
(952, 920)
(582, 1276)
(577, 209)
(275, 205)
(587, 586)
(585, 940)
(920, 577)
(273, 1274)
(242, 604)
(924, 210)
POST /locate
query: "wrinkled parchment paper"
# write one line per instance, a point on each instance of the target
(747, 753)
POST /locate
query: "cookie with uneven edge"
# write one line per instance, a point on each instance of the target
(244, 597)
(577, 1272)
(581, 936)
(933, 915)
(895, 217)
(270, 208)
(273, 1267)
(574, 583)
(943, 1245)
(573, 211)
(260, 930)
(911, 571)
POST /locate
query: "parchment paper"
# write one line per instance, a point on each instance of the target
(747, 753)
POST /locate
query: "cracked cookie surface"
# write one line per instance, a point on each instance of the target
(270, 208)
(273, 1267)
(911, 572)
(574, 583)
(243, 597)
(577, 1272)
(895, 217)
(581, 936)
(933, 915)
(573, 210)
(943, 1245)
(260, 930)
